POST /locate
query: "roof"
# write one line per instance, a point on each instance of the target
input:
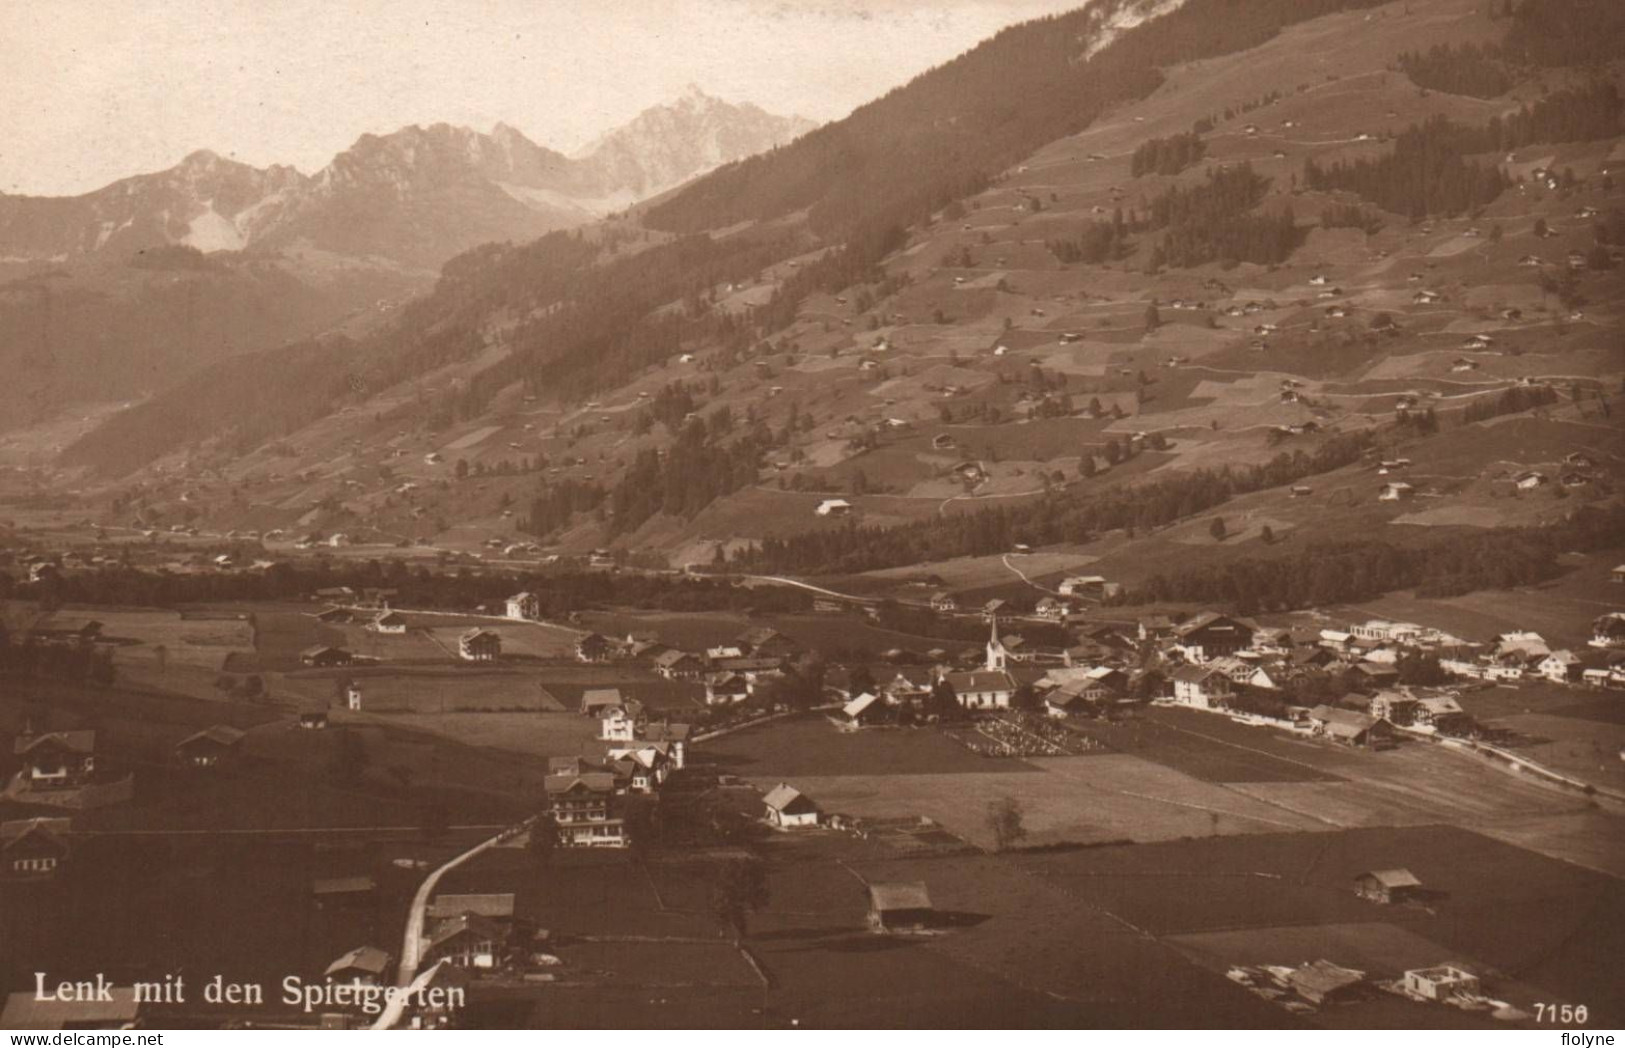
(476, 631)
(468, 923)
(1396, 878)
(899, 895)
(362, 959)
(342, 885)
(673, 656)
(221, 734)
(17, 829)
(592, 698)
(490, 904)
(1343, 722)
(859, 704)
(83, 741)
(526, 595)
(598, 782)
(1195, 674)
(666, 732)
(785, 797)
(24, 1012)
(980, 680)
(1324, 977)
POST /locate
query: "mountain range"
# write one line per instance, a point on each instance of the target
(413, 197)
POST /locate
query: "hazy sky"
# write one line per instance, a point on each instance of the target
(94, 90)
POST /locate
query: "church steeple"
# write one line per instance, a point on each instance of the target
(995, 647)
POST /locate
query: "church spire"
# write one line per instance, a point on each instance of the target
(995, 647)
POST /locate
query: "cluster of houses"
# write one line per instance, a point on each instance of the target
(586, 797)
(730, 672)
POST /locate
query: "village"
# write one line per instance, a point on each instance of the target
(747, 745)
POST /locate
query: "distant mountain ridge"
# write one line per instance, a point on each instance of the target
(416, 196)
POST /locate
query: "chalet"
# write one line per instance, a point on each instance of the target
(992, 608)
(945, 603)
(594, 701)
(479, 645)
(900, 907)
(1387, 886)
(364, 965)
(1396, 491)
(33, 848)
(620, 723)
(641, 768)
(679, 665)
(764, 642)
(585, 810)
(526, 606)
(1210, 635)
(787, 807)
(322, 655)
(1349, 727)
(1052, 610)
(56, 758)
(594, 647)
(862, 710)
(117, 1009)
(1560, 667)
(1441, 982)
(725, 689)
(1201, 687)
(674, 737)
(833, 508)
(209, 747)
(1082, 586)
(388, 622)
(469, 941)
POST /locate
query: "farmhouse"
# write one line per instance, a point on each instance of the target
(723, 689)
(1560, 667)
(1201, 687)
(479, 645)
(322, 655)
(526, 605)
(679, 665)
(469, 941)
(388, 622)
(1387, 886)
(31, 848)
(1082, 586)
(594, 701)
(594, 647)
(1396, 491)
(944, 602)
(1608, 631)
(674, 737)
(900, 907)
(365, 965)
(990, 610)
(833, 508)
(1210, 635)
(209, 747)
(764, 642)
(788, 807)
(342, 891)
(1350, 727)
(56, 758)
(862, 710)
(1441, 982)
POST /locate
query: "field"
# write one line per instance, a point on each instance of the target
(1571, 730)
(811, 746)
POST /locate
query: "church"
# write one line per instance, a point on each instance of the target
(991, 687)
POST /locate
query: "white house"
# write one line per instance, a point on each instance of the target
(525, 605)
(833, 508)
(388, 622)
(1202, 687)
(788, 808)
(1396, 491)
(1560, 667)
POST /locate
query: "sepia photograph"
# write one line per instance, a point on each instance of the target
(816, 515)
